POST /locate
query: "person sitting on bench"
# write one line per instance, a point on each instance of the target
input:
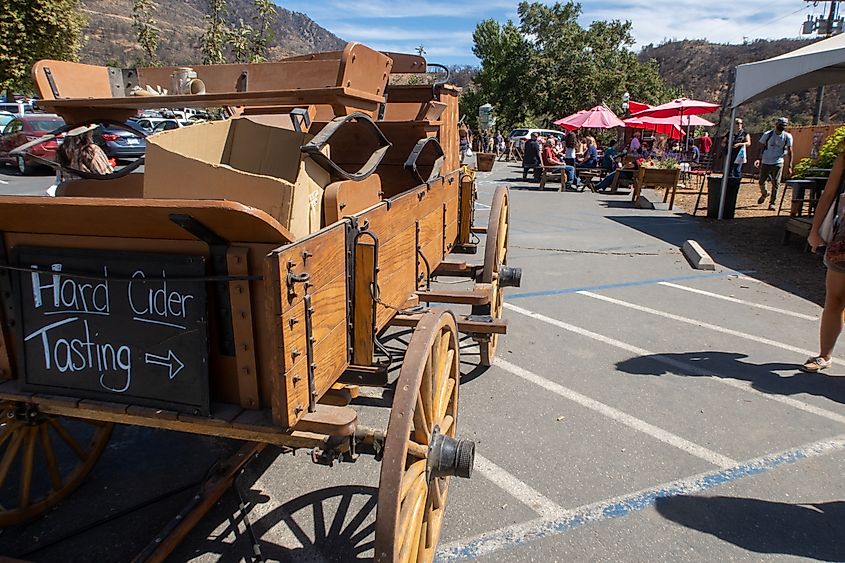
(553, 165)
(591, 156)
(609, 164)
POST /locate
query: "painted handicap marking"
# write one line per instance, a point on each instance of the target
(533, 530)
(563, 291)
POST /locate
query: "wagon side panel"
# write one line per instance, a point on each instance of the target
(312, 318)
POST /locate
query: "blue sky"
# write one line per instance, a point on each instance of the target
(444, 27)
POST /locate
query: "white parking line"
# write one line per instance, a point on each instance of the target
(682, 366)
(664, 436)
(533, 530)
(525, 494)
(709, 326)
(741, 301)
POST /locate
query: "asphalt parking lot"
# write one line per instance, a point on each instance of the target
(638, 410)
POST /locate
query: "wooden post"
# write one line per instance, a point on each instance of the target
(364, 322)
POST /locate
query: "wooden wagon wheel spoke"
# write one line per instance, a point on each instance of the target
(10, 455)
(21, 438)
(26, 466)
(50, 458)
(68, 438)
(495, 256)
(412, 497)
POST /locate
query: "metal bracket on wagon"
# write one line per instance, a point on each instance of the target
(314, 148)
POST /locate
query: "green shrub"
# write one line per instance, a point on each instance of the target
(828, 152)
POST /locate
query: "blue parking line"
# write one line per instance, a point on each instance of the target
(616, 508)
(512, 296)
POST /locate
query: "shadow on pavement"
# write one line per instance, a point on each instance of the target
(763, 377)
(752, 244)
(803, 530)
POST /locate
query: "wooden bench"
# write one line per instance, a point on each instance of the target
(590, 175)
(551, 173)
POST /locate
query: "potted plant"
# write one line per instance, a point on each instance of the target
(657, 172)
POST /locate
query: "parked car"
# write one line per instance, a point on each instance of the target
(5, 118)
(17, 108)
(146, 123)
(522, 135)
(168, 124)
(26, 128)
(119, 143)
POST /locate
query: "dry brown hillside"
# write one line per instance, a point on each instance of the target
(702, 70)
(111, 40)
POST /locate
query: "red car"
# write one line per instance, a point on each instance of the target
(24, 129)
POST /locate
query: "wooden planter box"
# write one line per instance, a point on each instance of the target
(656, 177)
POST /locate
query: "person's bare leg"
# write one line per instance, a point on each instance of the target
(834, 305)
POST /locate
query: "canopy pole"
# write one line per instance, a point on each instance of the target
(723, 195)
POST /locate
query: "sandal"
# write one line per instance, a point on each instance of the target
(815, 365)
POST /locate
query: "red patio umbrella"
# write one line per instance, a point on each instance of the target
(673, 130)
(682, 107)
(599, 117)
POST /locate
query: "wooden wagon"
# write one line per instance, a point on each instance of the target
(182, 299)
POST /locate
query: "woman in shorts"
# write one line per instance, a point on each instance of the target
(834, 259)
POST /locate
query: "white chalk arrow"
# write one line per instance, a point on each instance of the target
(171, 362)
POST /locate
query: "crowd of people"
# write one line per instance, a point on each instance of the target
(567, 155)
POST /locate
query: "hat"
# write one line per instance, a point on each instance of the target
(82, 129)
(783, 121)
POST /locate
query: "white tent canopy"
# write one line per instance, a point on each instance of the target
(818, 64)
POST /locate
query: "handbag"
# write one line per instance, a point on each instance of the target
(830, 225)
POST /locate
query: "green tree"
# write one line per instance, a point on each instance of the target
(216, 33)
(144, 24)
(241, 41)
(506, 79)
(30, 31)
(264, 32)
(550, 66)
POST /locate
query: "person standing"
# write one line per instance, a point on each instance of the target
(706, 143)
(635, 146)
(777, 151)
(834, 259)
(531, 155)
(739, 150)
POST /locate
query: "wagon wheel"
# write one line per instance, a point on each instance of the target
(32, 442)
(495, 255)
(414, 482)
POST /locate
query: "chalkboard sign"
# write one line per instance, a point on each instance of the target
(124, 327)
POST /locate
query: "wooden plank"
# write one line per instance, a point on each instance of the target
(268, 433)
(479, 295)
(241, 304)
(329, 309)
(137, 218)
(465, 325)
(363, 319)
(151, 412)
(329, 364)
(318, 257)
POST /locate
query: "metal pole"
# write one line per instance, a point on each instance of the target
(831, 16)
(817, 115)
(724, 194)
